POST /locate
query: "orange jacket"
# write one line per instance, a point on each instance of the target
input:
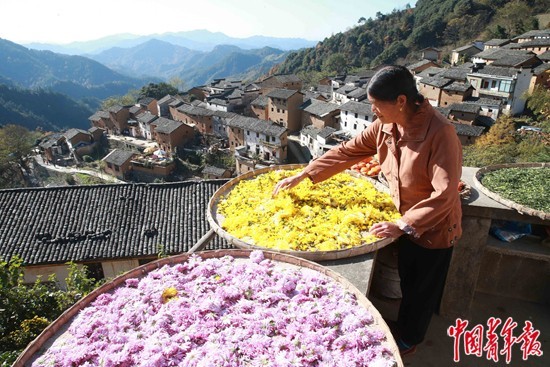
(423, 170)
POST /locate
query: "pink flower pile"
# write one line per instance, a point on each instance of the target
(226, 312)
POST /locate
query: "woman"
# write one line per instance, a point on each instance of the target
(421, 158)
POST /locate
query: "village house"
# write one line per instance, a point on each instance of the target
(80, 142)
(463, 54)
(536, 41)
(495, 43)
(212, 173)
(280, 81)
(218, 104)
(119, 117)
(198, 117)
(432, 54)
(170, 134)
(467, 134)
(505, 84)
(164, 105)
(355, 117)
(258, 107)
(250, 92)
(320, 114)
(144, 121)
(283, 107)
(254, 140)
(102, 120)
(54, 149)
(118, 163)
(148, 167)
(455, 92)
(431, 88)
(149, 104)
(463, 113)
(420, 66)
(507, 58)
(319, 141)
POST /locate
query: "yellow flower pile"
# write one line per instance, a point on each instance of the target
(332, 215)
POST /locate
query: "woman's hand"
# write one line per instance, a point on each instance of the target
(386, 229)
(289, 182)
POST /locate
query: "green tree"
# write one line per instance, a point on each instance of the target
(539, 102)
(128, 99)
(16, 145)
(26, 309)
(336, 63)
(157, 91)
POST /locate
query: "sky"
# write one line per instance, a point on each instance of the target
(66, 21)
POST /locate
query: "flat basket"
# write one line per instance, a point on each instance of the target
(522, 209)
(59, 328)
(215, 219)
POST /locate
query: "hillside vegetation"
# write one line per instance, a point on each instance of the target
(400, 36)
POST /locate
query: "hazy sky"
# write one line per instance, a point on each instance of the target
(65, 21)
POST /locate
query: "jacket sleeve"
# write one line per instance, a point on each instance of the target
(446, 170)
(343, 156)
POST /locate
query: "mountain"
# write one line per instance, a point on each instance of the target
(198, 40)
(56, 72)
(42, 109)
(49, 90)
(166, 60)
(400, 36)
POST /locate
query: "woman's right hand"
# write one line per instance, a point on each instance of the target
(289, 182)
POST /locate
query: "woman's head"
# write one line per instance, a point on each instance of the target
(392, 81)
(393, 89)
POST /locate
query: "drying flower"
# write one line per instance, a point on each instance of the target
(332, 215)
(223, 312)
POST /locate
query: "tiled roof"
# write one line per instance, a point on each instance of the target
(435, 81)
(359, 93)
(455, 73)
(468, 130)
(497, 42)
(418, 64)
(465, 107)
(287, 78)
(513, 61)
(535, 33)
(212, 170)
(118, 156)
(361, 108)
(115, 108)
(71, 133)
(51, 140)
(345, 89)
(166, 99)
(99, 115)
(194, 111)
(466, 47)
(431, 71)
(146, 101)
(319, 108)
(218, 101)
(326, 131)
(542, 42)
(266, 127)
(146, 117)
(496, 71)
(281, 93)
(310, 130)
(545, 56)
(166, 126)
(96, 222)
(260, 101)
(458, 87)
(499, 53)
(541, 68)
(135, 109)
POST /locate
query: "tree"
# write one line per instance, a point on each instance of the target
(539, 102)
(336, 63)
(25, 310)
(362, 20)
(128, 99)
(157, 91)
(16, 145)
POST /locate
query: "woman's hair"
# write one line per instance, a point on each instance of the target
(392, 81)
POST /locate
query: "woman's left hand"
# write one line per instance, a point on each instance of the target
(386, 229)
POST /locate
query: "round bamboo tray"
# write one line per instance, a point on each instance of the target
(58, 329)
(522, 209)
(215, 219)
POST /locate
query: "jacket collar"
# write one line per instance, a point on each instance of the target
(420, 123)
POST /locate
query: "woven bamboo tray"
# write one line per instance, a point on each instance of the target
(215, 219)
(522, 209)
(58, 329)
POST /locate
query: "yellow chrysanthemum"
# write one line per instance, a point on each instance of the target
(332, 215)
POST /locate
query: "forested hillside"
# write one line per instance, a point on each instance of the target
(48, 111)
(399, 37)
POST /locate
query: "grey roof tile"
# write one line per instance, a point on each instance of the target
(281, 93)
(253, 124)
(319, 108)
(361, 108)
(101, 222)
(118, 156)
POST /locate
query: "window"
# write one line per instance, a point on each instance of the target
(257, 135)
(494, 84)
(505, 86)
(248, 133)
(485, 84)
(272, 138)
(278, 110)
(356, 115)
(354, 126)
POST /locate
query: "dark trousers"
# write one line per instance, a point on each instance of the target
(422, 272)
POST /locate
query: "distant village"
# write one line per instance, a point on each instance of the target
(276, 120)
